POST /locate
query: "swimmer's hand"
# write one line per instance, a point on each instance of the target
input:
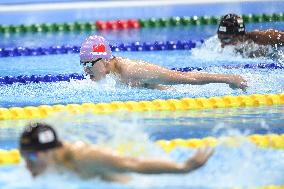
(199, 159)
(238, 82)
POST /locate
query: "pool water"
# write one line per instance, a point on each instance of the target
(243, 166)
(205, 56)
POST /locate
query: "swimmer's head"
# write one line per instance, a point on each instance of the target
(230, 28)
(38, 137)
(231, 24)
(95, 53)
(94, 48)
(36, 140)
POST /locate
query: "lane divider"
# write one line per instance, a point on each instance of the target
(206, 20)
(24, 79)
(43, 111)
(239, 66)
(263, 141)
(274, 141)
(65, 49)
(132, 23)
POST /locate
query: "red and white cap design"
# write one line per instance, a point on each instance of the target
(95, 47)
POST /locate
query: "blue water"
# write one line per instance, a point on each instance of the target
(109, 90)
(244, 166)
(10, 2)
(165, 125)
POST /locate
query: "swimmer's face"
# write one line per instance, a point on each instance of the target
(35, 162)
(98, 70)
(228, 39)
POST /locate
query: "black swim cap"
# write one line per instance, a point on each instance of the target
(39, 137)
(231, 24)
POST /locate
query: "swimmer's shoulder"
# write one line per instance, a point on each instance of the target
(121, 64)
(74, 146)
(79, 150)
(117, 64)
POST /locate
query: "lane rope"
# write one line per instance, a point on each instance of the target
(67, 49)
(132, 23)
(274, 141)
(25, 79)
(43, 111)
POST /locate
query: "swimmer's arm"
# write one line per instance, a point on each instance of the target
(158, 166)
(154, 74)
(121, 163)
(267, 37)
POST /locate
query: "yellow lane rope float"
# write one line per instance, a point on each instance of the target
(261, 187)
(264, 141)
(267, 187)
(43, 111)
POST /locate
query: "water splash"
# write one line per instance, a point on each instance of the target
(246, 166)
(211, 50)
(242, 166)
(246, 52)
(108, 131)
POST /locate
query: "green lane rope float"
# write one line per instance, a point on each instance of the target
(133, 23)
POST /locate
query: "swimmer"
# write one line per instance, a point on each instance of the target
(97, 59)
(41, 149)
(231, 31)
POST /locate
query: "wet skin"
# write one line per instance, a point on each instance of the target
(90, 161)
(139, 73)
(98, 71)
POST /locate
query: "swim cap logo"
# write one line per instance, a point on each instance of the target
(99, 49)
(46, 137)
(240, 20)
(222, 29)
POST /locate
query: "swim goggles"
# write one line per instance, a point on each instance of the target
(227, 40)
(90, 64)
(30, 156)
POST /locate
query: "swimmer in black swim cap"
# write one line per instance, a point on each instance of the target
(231, 31)
(36, 139)
(41, 149)
(39, 137)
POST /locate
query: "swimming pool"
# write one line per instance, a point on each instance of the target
(236, 162)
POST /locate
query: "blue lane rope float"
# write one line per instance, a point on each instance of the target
(39, 78)
(65, 49)
(24, 79)
(238, 66)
